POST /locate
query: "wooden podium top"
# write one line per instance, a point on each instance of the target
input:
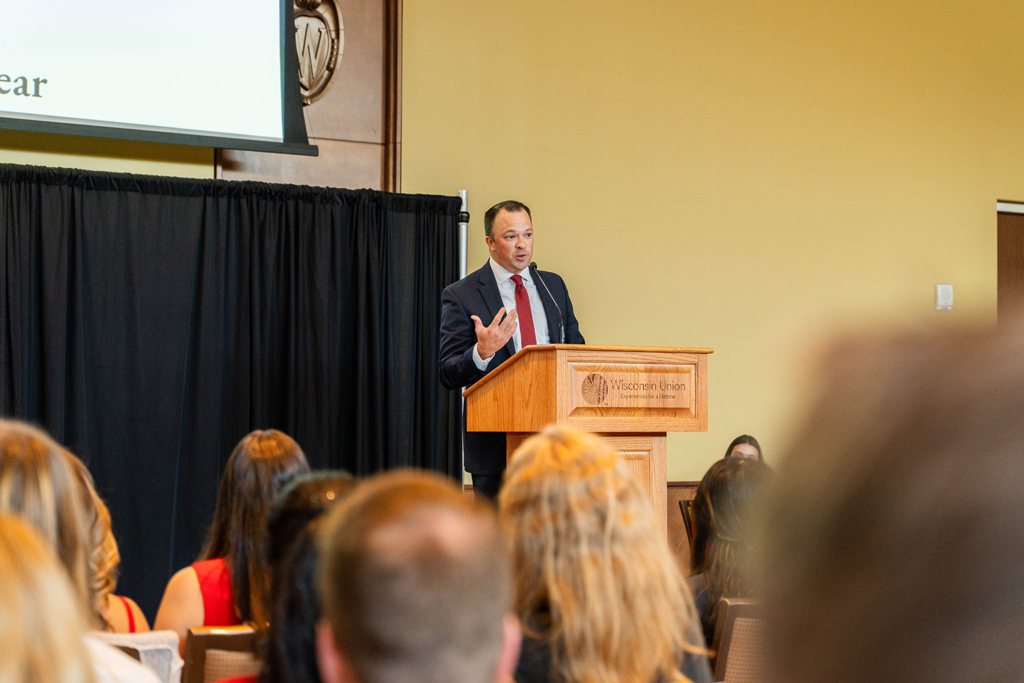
(594, 388)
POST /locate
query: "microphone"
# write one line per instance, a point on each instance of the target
(561, 322)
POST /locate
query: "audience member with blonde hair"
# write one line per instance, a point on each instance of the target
(897, 523)
(119, 614)
(41, 620)
(231, 583)
(116, 614)
(44, 485)
(597, 590)
(38, 483)
(414, 585)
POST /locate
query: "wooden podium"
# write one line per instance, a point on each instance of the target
(632, 396)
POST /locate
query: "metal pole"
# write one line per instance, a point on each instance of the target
(463, 233)
(463, 248)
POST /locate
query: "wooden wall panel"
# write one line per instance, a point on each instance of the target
(1010, 269)
(356, 123)
(352, 109)
(352, 165)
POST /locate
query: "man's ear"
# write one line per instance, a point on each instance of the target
(334, 667)
(511, 642)
(490, 242)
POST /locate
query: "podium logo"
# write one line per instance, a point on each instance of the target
(595, 389)
(320, 42)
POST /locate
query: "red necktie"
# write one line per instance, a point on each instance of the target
(526, 332)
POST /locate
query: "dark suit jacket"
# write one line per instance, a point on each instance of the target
(477, 294)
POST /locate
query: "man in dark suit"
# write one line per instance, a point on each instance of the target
(470, 348)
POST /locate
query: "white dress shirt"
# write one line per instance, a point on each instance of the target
(507, 289)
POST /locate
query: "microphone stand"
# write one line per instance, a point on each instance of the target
(561, 322)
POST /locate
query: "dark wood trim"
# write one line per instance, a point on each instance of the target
(391, 168)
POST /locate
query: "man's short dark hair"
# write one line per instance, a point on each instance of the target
(414, 581)
(509, 205)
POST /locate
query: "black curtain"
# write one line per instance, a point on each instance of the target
(149, 323)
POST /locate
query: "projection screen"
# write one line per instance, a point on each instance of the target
(187, 72)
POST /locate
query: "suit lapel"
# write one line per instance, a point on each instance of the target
(492, 297)
(489, 292)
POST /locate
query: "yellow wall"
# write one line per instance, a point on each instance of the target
(99, 154)
(750, 176)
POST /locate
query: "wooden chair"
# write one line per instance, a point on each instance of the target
(686, 509)
(739, 641)
(216, 652)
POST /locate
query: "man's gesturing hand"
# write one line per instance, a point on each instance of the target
(490, 339)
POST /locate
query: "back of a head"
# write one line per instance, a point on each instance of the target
(594, 575)
(260, 465)
(39, 483)
(414, 581)
(293, 519)
(41, 623)
(302, 500)
(897, 526)
(727, 509)
(99, 543)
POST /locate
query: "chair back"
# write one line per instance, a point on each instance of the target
(739, 641)
(157, 650)
(216, 652)
(686, 509)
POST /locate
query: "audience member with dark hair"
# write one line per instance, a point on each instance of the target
(231, 583)
(597, 589)
(897, 524)
(305, 498)
(729, 501)
(293, 521)
(51, 490)
(744, 446)
(414, 584)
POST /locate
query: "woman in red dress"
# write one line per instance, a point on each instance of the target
(230, 584)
